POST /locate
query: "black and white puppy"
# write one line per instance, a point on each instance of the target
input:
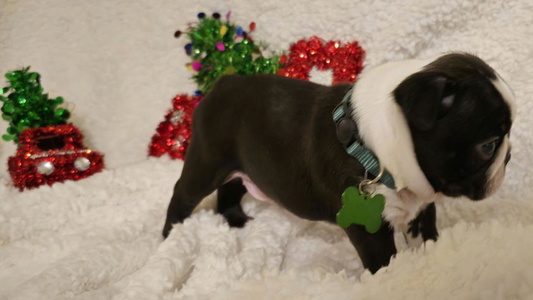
(439, 127)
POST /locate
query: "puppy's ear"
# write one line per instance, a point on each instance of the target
(424, 98)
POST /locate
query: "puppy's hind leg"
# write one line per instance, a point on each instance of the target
(200, 177)
(229, 202)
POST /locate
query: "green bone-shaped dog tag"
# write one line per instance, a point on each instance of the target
(360, 209)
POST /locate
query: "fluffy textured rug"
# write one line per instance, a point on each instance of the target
(118, 66)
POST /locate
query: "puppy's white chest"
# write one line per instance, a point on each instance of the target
(401, 209)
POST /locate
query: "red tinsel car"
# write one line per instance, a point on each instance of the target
(46, 155)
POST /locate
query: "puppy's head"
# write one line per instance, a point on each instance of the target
(459, 112)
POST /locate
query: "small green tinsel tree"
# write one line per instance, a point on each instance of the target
(25, 105)
(219, 47)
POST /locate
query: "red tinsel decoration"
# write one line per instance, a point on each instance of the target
(346, 61)
(173, 134)
(52, 154)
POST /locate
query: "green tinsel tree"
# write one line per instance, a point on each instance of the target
(219, 47)
(25, 105)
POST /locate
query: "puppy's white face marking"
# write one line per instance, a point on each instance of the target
(507, 95)
(496, 172)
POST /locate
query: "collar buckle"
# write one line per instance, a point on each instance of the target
(348, 135)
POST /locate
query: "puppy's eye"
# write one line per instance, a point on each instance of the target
(487, 149)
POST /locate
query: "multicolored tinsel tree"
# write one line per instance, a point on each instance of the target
(216, 48)
(219, 47)
(26, 106)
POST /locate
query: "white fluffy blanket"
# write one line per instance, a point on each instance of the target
(118, 66)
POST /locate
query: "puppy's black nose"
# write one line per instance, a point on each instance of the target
(508, 157)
